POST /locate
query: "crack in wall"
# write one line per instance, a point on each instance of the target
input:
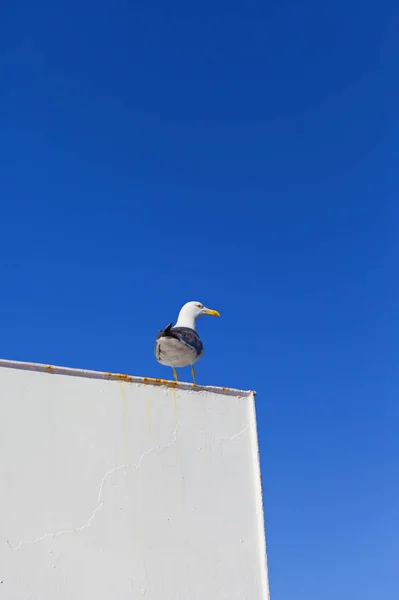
(99, 506)
(236, 435)
(100, 502)
(158, 448)
(220, 440)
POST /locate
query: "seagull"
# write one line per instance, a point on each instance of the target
(181, 346)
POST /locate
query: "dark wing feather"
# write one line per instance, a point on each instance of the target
(165, 332)
(187, 336)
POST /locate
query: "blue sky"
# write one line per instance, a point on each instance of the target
(243, 155)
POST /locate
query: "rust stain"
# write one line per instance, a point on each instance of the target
(148, 408)
(123, 377)
(153, 381)
(149, 416)
(119, 376)
(125, 422)
(175, 409)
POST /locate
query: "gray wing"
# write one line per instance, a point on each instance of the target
(186, 336)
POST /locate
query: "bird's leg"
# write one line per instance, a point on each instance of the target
(193, 374)
(175, 374)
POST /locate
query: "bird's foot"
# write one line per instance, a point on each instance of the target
(193, 374)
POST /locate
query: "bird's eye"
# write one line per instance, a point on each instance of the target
(200, 305)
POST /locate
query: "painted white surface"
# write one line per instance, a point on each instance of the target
(125, 490)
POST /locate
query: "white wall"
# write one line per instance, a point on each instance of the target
(117, 490)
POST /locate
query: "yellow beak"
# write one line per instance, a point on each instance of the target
(213, 313)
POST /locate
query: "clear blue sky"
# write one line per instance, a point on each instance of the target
(244, 155)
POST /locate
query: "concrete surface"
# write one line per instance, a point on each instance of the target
(119, 488)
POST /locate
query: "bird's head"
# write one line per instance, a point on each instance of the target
(196, 309)
(191, 311)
